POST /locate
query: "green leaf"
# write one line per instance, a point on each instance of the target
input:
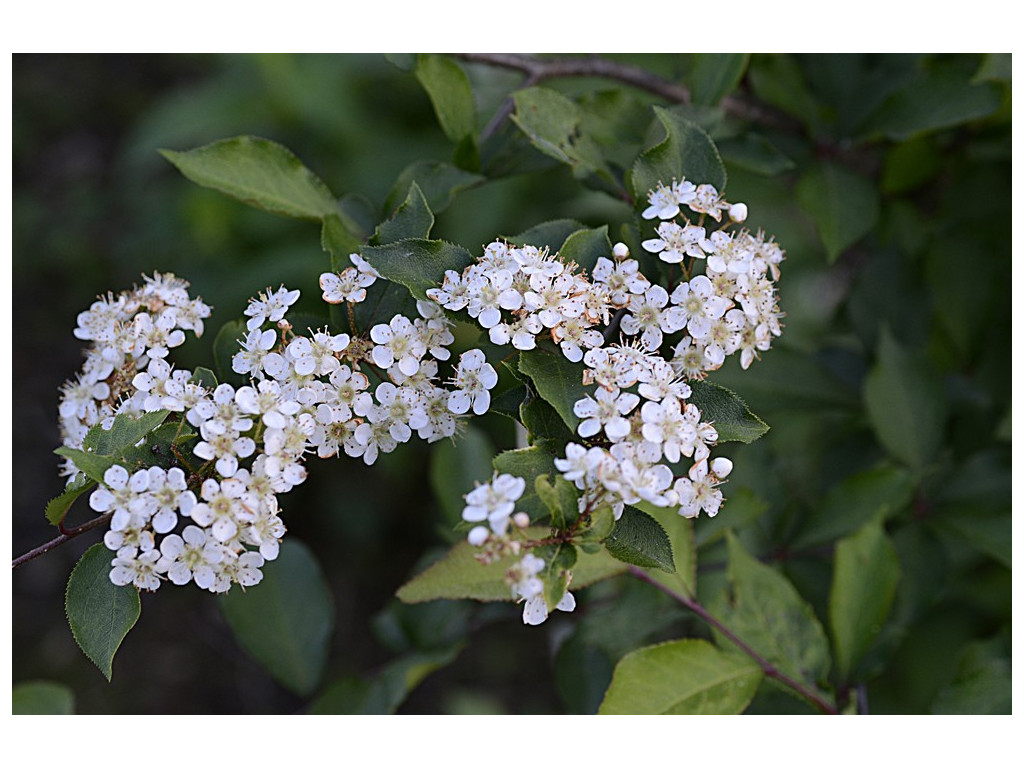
(931, 103)
(460, 576)
(715, 75)
(586, 246)
(57, 508)
(686, 152)
(204, 377)
(777, 80)
(682, 541)
(722, 407)
(768, 613)
(439, 182)
(258, 172)
(226, 346)
(285, 621)
(756, 154)
(42, 697)
(981, 685)
(864, 581)
(92, 465)
(529, 464)
(99, 612)
(905, 404)
(456, 466)
(417, 264)
(540, 419)
(413, 219)
(338, 240)
(450, 93)
(560, 497)
(844, 205)
(988, 533)
(854, 501)
(556, 379)
(552, 123)
(385, 691)
(742, 507)
(639, 539)
(558, 560)
(681, 677)
(125, 432)
(549, 234)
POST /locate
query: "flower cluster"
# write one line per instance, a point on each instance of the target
(730, 308)
(637, 427)
(131, 335)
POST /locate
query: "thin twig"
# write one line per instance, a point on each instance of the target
(64, 537)
(770, 670)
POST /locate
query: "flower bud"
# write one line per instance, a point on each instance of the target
(478, 535)
(521, 519)
(620, 251)
(721, 467)
(738, 212)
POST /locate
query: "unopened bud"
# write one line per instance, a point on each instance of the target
(521, 519)
(620, 251)
(738, 212)
(721, 467)
(478, 535)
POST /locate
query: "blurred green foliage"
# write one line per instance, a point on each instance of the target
(886, 178)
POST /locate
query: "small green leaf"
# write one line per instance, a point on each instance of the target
(413, 219)
(586, 246)
(549, 234)
(767, 612)
(600, 525)
(715, 75)
(125, 432)
(905, 404)
(558, 561)
(258, 172)
(639, 539)
(338, 240)
(529, 464)
(722, 407)
(42, 697)
(99, 612)
(286, 620)
(552, 123)
(439, 182)
(681, 677)
(384, 693)
(844, 205)
(682, 539)
(540, 419)
(556, 379)
(92, 465)
(460, 576)
(416, 263)
(982, 530)
(864, 581)
(686, 152)
(560, 497)
(204, 377)
(57, 508)
(450, 93)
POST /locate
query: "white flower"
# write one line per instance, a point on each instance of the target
(699, 305)
(272, 306)
(494, 501)
(222, 508)
(473, 378)
(397, 341)
(535, 610)
(607, 411)
(190, 557)
(649, 317)
(130, 567)
(675, 242)
(167, 493)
